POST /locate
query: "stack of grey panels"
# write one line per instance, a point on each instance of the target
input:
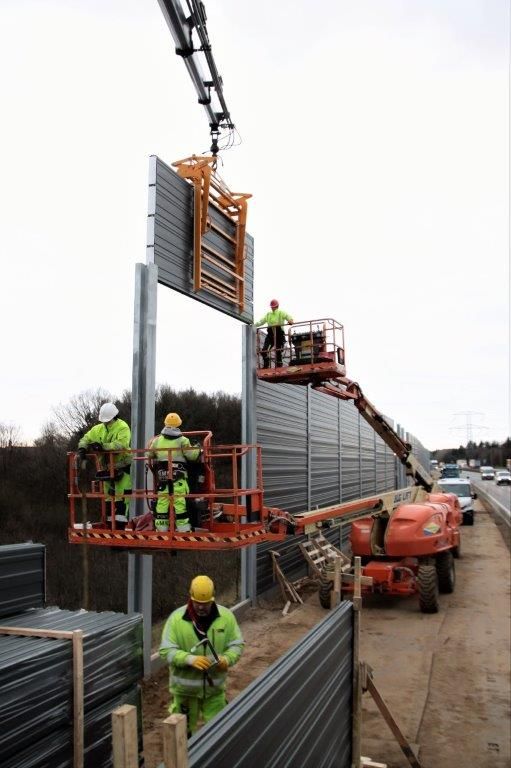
(36, 685)
(36, 673)
(22, 582)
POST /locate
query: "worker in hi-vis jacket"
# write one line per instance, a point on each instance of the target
(111, 434)
(275, 337)
(200, 641)
(171, 437)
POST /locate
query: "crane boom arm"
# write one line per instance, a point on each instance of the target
(181, 28)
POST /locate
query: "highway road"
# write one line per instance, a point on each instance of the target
(499, 496)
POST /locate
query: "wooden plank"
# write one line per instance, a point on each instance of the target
(366, 762)
(356, 734)
(286, 608)
(78, 733)
(26, 632)
(125, 737)
(387, 716)
(175, 746)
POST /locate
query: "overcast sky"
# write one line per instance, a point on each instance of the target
(375, 141)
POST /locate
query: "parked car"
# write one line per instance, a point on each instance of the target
(503, 477)
(487, 473)
(463, 490)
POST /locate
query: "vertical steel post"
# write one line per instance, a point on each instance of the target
(339, 420)
(360, 492)
(309, 447)
(248, 587)
(140, 567)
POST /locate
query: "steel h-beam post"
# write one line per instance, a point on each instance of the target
(140, 567)
(248, 471)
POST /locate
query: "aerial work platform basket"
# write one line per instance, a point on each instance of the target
(224, 514)
(313, 350)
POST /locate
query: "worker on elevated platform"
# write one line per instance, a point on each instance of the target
(171, 438)
(275, 337)
(200, 641)
(111, 434)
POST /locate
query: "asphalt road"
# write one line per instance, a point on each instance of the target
(499, 496)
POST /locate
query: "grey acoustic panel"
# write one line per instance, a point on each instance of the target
(170, 239)
(282, 431)
(298, 713)
(325, 449)
(22, 577)
(367, 458)
(350, 447)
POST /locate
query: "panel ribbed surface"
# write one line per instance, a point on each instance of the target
(324, 450)
(296, 715)
(36, 688)
(282, 433)
(22, 577)
(170, 240)
(316, 451)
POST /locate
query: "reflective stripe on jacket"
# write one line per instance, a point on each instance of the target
(179, 637)
(275, 317)
(112, 437)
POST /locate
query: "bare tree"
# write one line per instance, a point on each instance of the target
(10, 435)
(80, 413)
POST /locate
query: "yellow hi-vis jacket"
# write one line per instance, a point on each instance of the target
(179, 638)
(112, 437)
(275, 317)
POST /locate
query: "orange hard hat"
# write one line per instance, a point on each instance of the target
(274, 303)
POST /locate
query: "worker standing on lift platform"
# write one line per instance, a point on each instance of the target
(182, 451)
(111, 434)
(275, 337)
(200, 641)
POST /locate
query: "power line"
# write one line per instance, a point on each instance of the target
(469, 426)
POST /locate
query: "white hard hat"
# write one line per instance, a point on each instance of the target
(107, 412)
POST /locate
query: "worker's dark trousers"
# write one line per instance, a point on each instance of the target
(274, 338)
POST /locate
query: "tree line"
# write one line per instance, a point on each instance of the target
(493, 454)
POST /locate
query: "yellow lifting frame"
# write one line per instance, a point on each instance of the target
(209, 189)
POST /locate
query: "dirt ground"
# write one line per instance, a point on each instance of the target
(445, 677)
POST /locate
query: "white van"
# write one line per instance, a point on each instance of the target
(463, 490)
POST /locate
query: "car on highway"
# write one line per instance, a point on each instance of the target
(503, 477)
(487, 473)
(463, 490)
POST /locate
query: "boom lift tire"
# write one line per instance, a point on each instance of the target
(427, 584)
(325, 588)
(456, 551)
(446, 572)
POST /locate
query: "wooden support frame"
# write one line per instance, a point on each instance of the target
(288, 588)
(367, 684)
(76, 637)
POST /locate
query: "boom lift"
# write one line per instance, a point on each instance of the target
(408, 542)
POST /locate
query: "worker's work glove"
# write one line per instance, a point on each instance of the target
(202, 663)
(222, 663)
(96, 447)
(82, 454)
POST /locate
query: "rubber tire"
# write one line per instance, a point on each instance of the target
(446, 572)
(456, 551)
(325, 589)
(468, 518)
(427, 585)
